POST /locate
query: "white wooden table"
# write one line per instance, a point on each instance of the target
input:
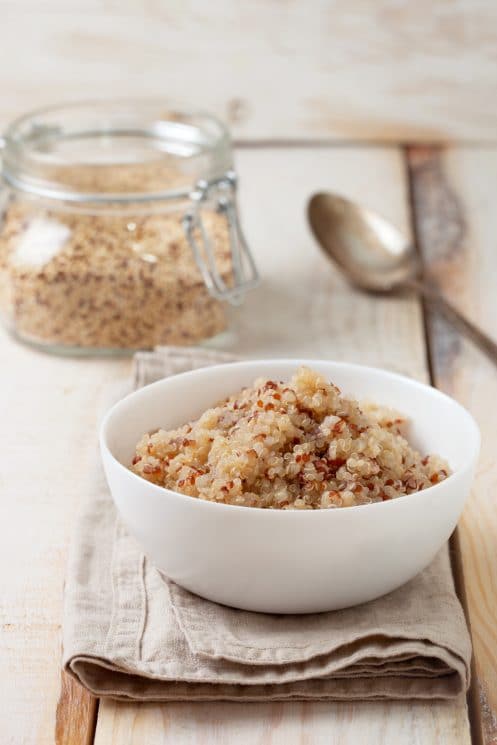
(309, 90)
(50, 409)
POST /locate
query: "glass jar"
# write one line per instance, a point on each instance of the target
(119, 228)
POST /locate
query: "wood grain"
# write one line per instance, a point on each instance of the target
(280, 724)
(76, 714)
(303, 309)
(49, 412)
(341, 70)
(457, 228)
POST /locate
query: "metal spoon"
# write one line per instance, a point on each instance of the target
(376, 257)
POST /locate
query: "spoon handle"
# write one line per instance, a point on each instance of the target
(481, 340)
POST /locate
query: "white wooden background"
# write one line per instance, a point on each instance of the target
(339, 75)
(393, 70)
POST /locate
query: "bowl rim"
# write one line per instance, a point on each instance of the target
(470, 462)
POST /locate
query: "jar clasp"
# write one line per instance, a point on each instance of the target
(221, 193)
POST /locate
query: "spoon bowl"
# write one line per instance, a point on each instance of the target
(372, 252)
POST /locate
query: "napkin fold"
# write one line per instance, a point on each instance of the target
(131, 634)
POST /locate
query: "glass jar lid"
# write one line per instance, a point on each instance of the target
(125, 150)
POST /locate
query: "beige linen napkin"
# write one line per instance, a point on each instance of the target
(133, 635)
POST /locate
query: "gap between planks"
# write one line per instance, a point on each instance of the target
(430, 153)
(369, 144)
(76, 715)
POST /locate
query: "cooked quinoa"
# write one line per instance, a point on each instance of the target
(295, 445)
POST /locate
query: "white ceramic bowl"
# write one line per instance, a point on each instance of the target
(289, 561)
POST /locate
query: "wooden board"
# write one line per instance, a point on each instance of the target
(48, 415)
(324, 318)
(457, 229)
(342, 70)
(281, 724)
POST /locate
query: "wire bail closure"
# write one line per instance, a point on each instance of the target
(222, 192)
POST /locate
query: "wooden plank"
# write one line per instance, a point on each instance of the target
(475, 713)
(304, 309)
(279, 724)
(48, 416)
(76, 714)
(383, 71)
(456, 225)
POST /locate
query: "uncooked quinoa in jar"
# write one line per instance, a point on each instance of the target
(104, 280)
(118, 235)
(290, 445)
